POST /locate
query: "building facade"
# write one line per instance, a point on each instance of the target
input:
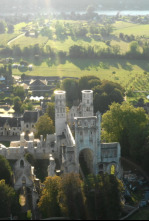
(71, 147)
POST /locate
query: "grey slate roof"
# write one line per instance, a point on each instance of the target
(13, 122)
(30, 117)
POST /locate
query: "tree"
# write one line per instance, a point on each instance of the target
(88, 82)
(19, 92)
(10, 28)
(5, 171)
(72, 200)
(51, 111)
(2, 27)
(127, 125)
(9, 201)
(17, 52)
(44, 126)
(105, 94)
(17, 104)
(134, 50)
(72, 90)
(49, 203)
(103, 197)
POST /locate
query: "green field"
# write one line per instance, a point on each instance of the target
(127, 73)
(130, 28)
(27, 41)
(5, 38)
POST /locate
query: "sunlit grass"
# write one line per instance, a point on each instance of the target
(130, 28)
(5, 38)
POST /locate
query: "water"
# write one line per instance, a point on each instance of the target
(114, 12)
(127, 12)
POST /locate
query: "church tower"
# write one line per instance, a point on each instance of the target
(60, 111)
(87, 103)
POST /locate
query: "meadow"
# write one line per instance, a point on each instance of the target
(131, 74)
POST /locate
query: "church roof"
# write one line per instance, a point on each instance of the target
(30, 116)
(38, 82)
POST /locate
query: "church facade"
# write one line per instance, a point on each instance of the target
(77, 139)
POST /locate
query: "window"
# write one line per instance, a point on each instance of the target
(21, 164)
(113, 170)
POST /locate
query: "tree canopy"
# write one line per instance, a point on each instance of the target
(44, 126)
(105, 92)
(127, 125)
(5, 171)
(69, 196)
(9, 202)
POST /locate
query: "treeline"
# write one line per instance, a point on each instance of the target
(105, 92)
(6, 27)
(136, 51)
(98, 197)
(9, 199)
(6, 70)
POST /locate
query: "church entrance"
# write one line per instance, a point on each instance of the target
(86, 161)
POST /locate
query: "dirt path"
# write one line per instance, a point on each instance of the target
(9, 42)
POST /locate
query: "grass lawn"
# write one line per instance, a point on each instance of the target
(127, 73)
(4, 38)
(27, 41)
(130, 28)
(68, 42)
(142, 214)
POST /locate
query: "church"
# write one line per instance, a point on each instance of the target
(76, 142)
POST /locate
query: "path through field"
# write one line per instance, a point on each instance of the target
(15, 39)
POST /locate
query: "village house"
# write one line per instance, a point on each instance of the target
(13, 126)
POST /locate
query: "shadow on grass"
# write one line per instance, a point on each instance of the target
(143, 64)
(83, 38)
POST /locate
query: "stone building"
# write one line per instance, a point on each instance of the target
(13, 126)
(70, 147)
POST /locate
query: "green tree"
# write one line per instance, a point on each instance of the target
(88, 82)
(2, 27)
(72, 90)
(19, 92)
(103, 197)
(10, 28)
(72, 200)
(51, 111)
(127, 125)
(9, 202)
(17, 52)
(44, 126)
(5, 171)
(17, 105)
(49, 203)
(105, 94)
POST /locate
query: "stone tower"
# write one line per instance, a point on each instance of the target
(87, 103)
(87, 137)
(60, 112)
